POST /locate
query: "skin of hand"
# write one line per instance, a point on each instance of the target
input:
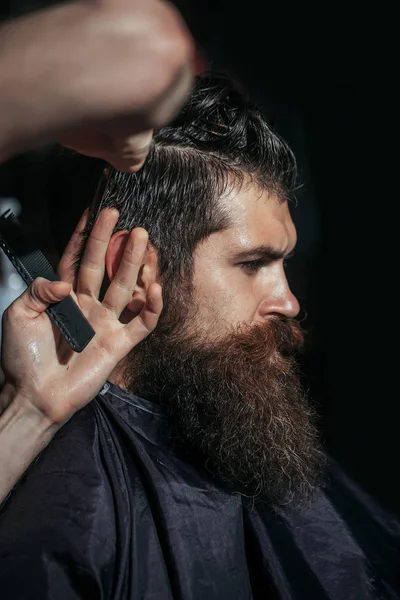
(38, 364)
(95, 76)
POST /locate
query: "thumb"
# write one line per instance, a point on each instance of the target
(129, 151)
(41, 293)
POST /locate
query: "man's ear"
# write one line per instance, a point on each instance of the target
(148, 272)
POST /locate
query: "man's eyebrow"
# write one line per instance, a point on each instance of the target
(267, 252)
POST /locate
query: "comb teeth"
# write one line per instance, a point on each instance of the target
(37, 265)
(32, 262)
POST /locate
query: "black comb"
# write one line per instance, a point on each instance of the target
(30, 262)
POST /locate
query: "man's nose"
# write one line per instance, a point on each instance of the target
(280, 301)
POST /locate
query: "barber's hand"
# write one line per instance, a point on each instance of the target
(125, 152)
(38, 364)
(96, 76)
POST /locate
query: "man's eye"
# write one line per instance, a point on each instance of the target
(252, 266)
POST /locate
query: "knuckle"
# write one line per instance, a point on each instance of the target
(86, 292)
(123, 283)
(172, 48)
(36, 286)
(172, 57)
(171, 44)
(129, 263)
(90, 264)
(171, 30)
(37, 282)
(145, 326)
(12, 315)
(9, 314)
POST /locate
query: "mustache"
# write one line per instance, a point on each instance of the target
(277, 335)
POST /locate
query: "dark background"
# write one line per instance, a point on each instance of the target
(306, 71)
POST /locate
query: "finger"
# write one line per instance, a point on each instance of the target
(65, 267)
(130, 151)
(121, 288)
(39, 295)
(91, 269)
(147, 319)
(126, 165)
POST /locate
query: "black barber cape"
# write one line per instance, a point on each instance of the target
(109, 511)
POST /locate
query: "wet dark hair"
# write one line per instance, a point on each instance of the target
(218, 140)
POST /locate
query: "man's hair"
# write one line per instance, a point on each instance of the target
(219, 140)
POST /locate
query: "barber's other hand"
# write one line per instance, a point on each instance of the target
(96, 76)
(39, 366)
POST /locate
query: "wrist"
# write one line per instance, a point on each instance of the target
(24, 433)
(19, 409)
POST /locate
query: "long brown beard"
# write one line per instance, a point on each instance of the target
(236, 406)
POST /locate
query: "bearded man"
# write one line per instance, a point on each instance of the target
(196, 471)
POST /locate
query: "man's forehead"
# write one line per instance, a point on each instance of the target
(258, 218)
